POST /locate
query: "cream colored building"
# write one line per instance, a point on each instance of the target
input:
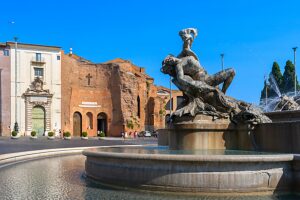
(37, 71)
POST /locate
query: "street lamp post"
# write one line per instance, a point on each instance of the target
(222, 60)
(266, 91)
(16, 126)
(1, 103)
(295, 76)
(171, 96)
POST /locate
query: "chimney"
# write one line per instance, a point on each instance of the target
(71, 52)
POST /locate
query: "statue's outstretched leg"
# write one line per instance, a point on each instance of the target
(228, 81)
(226, 76)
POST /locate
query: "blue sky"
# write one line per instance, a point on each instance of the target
(251, 34)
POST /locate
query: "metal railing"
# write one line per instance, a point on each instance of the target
(38, 60)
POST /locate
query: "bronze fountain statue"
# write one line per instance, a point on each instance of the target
(201, 90)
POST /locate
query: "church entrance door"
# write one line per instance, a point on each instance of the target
(102, 123)
(38, 120)
(77, 124)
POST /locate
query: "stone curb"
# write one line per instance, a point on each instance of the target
(111, 138)
(194, 158)
(14, 158)
(122, 139)
(297, 157)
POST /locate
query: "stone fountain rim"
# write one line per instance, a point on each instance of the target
(191, 158)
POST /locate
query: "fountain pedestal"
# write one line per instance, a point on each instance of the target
(205, 132)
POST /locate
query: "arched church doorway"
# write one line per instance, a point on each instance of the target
(38, 120)
(138, 106)
(102, 123)
(77, 124)
(89, 117)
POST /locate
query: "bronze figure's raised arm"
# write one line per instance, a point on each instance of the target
(188, 35)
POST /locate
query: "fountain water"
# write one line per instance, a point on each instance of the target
(280, 102)
(274, 85)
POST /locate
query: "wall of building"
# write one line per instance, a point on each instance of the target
(25, 76)
(114, 89)
(5, 93)
(80, 97)
(136, 83)
(162, 105)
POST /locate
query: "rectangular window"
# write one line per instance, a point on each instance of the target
(38, 72)
(58, 57)
(38, 57)
(6, 52)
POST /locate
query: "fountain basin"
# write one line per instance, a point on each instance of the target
(189, 172)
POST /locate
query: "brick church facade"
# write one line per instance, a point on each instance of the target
(111, 97)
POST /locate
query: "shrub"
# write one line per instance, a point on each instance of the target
(130, 124)
(102, 134)
(84, 134)
(33, 133)
(67, 134)
(162, 111)
(50, 134)
(14, 133)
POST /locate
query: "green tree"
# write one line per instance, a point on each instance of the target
(277, 75)
(288, 84)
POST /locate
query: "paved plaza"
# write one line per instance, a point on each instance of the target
(8, 145)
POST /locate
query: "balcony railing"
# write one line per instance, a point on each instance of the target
(35, 60)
